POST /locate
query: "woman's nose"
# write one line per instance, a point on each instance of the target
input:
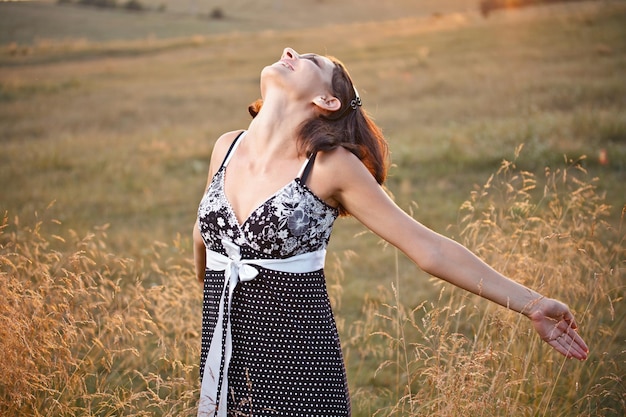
(289, 53)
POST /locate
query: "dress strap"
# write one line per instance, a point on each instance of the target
(306, 168)
(232, 148)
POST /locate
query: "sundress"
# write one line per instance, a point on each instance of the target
(270, 345)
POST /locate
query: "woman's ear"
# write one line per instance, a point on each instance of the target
(328, 103)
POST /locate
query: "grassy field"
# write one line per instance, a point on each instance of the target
(43, 20)
(112, 116)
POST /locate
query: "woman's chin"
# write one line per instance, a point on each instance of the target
(273, 75)
(274, 69)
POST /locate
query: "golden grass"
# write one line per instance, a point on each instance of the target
(119, 134)
(86, 332)
(455, 355)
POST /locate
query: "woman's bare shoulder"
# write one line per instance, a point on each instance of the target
(224, 141)
(336, 171)
(336, 156)
(222, 144)
(340, 163)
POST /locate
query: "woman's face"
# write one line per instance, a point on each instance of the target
(306, 75)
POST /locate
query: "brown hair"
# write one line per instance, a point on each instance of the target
(350, 128)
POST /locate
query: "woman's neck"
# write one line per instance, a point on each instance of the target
(275, 128)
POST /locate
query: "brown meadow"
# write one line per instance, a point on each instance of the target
(101, 317)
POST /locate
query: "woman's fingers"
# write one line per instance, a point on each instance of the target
(570, 344)
(555, 323)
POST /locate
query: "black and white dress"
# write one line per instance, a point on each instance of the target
(269, 341)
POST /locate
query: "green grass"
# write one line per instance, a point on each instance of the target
(27, 22)
(117, 125)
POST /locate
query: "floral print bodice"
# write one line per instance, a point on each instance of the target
(291, 222)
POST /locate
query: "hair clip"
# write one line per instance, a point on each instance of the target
(356, 102)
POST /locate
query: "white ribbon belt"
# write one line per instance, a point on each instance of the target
(235, 270)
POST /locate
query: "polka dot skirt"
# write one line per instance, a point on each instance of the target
(286, 359)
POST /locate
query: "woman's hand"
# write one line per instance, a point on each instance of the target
(556, 325)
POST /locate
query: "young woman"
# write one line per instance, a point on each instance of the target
(269, 340)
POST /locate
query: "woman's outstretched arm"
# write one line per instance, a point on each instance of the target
(357, 191)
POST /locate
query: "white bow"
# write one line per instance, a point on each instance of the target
(237, 267)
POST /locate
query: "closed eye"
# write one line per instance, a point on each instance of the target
(312, 58)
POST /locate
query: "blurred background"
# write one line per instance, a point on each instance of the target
(108, 114)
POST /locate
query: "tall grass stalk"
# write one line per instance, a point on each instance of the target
(459, 355)
(85, 332)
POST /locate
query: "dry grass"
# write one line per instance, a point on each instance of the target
(120, 132)
(458, 356)
(88, 333)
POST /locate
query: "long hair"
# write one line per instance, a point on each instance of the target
(349, 127)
